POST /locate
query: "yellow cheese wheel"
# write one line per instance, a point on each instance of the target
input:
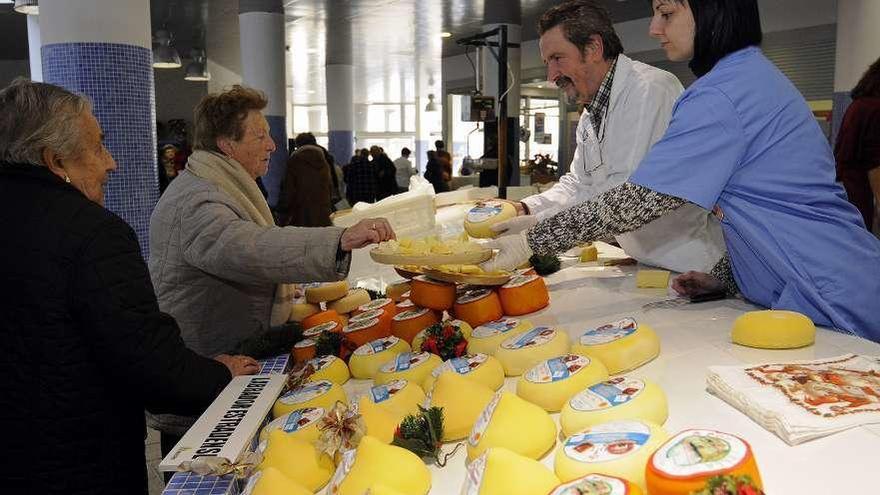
(616, 399)
(499, 471)
(773, 329)
(329, 368)
(462, 401)
(362, 331)
(408, 324)
(315, 331)
(400, 397)
(411, 366)
(621, 346)
(480, 219)
(397, 290)
(685, 463)
(323, 393)
(481, 368)
(350, 302)
(330, 291)
(552, 382)
(366, 359)
(432, 294)
(589, 253)
(487, 338)
(301, 424)
(520, 352)
(271, 481)
(300, 310)
(376, 462)
(523, 294)
(379, 422)
(618, 448)
(303, 350)
(596, 484)
(513, 423)
(652, 279)
(299, 461)
(322, 317)
(478, 306)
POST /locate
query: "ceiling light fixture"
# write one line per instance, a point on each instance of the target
(165, 56)
(446, 34)
(431, 106)
(29, 7)
(197, 70)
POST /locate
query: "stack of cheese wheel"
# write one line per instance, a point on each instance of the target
(595, 484)
(363, 330)
(523, 294)
(350, 301)
(462, 401)
(480, 219)
(616, 399)
(300, 461)
(499, 471)
(551, 383)
(462, 326)
(301, 424)
(304, 350)
(386, 405)
(408, 324)
(382, 315)
(398, 291)
(621, 346)
(301, 309)
(323, 317)
(481, 368)
(331, 291)
(488, 337)
(366, 359)
(411, 366)
(427, 293)
(324, 394)
(374, 462)
(515, 424)
(330, 368)
(618, 448)
(315, 331)
(478, 306)
(384, 304)
(520, 352)
(685, 463)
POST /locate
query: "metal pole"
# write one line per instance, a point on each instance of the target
(502, 113)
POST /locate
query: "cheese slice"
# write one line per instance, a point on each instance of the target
(597, 484)
(366, 359)
(515, 424)
(621, 346)
(374, 462)
(462, 401)
(300, 310)
(520, 352)
(685, 463)
(331, 291)
(652, 279)
(408, 324)
(397, 291)
(552, 382)
(350, 302)
(301, 424)
(432, 294)
(481, 368)
(618, 448)
(362, 331)
(271, 481)
(480, 219)
(411, 366)
(322, 317)
(523, 294)
(324, 394)
(773, 329)
(303, 350)
(499, 471)
(478, 306)
(329, 368)
(298, 460)
(487, 338)
(619, 398)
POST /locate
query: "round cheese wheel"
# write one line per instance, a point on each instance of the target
(432, 294)
(383, 315)
(488, 337)
(409, 323)
(618, 448)
(481, 368)
(398, 291)
(350, 302)
(400, 397)
(362, 331)
(315, 331)
(411, 366)
(616, 399)
(404, 305)
(463, 327)
(303, 350)
(323, 393)
(300, 461)
(685, 463)
(499, 471)
(480, 219)
(330, 291)
(383, 303)
(270, 481)
(301, 424)
(378, 422)
(773, 329)
(520, 352)
(300, 310)
(330, 368)
(376, 462)
(462, 401)
(366, 359)
(523, 294)
(478, 306)
(621, 346)
(596, 484)
(322, 317)
(513, 423)
(552, 382)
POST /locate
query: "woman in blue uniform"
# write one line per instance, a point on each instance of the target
(743, 144)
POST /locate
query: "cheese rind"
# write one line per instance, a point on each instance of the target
(270, 481)
(300, 310)
(462, 401)
(301, 424)
(322, 317)
(324, 394)
(411, 366)
(384, 406)
(397, 291)
(366, 359)
(552, 382)
(350, 302)
(619, 398)
(513, 423)
(480, 219)
(498, 471)
(408, 324)
(298, 460)
(432, 294)
(375, 462)
(478, 306)
(329, 291)
(773, 329)
(363, 331)
(303, 350)
(481, 368)
(621, 346)
(520, 352)
(487, 338)
(524, 294)
(329, 368)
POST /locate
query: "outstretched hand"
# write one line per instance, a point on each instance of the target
(513, 251)
(367, 231)
(693, 283)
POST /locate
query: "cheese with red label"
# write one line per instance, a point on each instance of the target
(621, 346)
(619, 398)
(552, 382)
(520, 352)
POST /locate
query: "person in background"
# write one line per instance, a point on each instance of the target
(360, 180)
(743, 144)
(167, 169)
(85, 347)
(444, 158)
(386, 182)
(436, 174)
(308, 186)
(218, 262)
(305, 138)
(405, 169)
(858, 146)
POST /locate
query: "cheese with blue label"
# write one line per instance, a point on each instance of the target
(619, 398)
(552, 382)
(520, 352)
(412, 366)
(323, 393)
(301, 424)
(366, 360)
(486, 339)
(481, 368)
(622, 346)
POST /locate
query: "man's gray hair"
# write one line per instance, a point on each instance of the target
(36, 116)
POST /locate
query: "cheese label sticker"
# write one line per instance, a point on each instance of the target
(405, 305)
(473, 479)
(306, 392)
(375, 304)
(405, 361)
(377, 346)
(302, 418)
(461, 365)
(311, 285)
(319, 329)
(607, 441)
(381, 393)
(611, 393)
(322, 362)
(558, 368)
(610, 332)
(694, 452)
(592, 484)
(484, 211)
(304, 343)
(473, 295)
(494, 328)
(409, 315)
(366, 315)
(360, 325)
(533, 338)
(483, 420)
(519, 281)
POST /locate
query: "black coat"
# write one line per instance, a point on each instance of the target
(84, 347)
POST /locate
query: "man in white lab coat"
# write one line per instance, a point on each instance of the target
(628, 107)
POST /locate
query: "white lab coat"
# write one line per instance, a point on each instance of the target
(639, 110)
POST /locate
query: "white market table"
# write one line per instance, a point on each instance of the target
(693, 337)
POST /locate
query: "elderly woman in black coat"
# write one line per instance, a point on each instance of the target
(85, 348)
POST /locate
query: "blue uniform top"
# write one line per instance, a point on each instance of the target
(743, 142)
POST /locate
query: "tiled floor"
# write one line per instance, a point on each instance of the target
(154, 455)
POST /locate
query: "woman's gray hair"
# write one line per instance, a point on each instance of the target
(36, 116)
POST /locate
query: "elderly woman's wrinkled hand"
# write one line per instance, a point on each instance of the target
(239, 365)
(367, 231)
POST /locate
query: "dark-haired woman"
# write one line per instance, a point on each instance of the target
(858, 146)
(743, 144)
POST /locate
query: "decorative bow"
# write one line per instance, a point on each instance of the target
(220, 466)
(341, 429)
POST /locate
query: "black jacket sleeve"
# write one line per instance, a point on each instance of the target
(139, 346)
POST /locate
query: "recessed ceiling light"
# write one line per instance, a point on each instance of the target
(446, 34)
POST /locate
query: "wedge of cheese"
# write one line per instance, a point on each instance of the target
(552, 382)
(621, 346)
(499, 471)
(513, 423)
